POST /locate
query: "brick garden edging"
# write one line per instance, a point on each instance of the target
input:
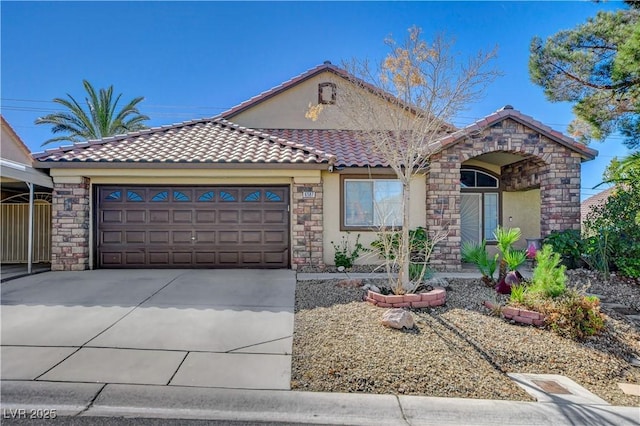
(435, 297)
(522, 316)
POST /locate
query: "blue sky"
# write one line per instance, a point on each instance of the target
(196, 59)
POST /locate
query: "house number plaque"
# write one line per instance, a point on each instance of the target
(308, 194)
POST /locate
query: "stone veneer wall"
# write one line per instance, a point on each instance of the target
(70, 226)
(554, 167)
(307, 227)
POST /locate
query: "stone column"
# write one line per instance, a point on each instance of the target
(70, 226)
(307, 221)
(560, 193)
(443, 211)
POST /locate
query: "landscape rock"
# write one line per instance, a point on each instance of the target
(437, 282)
(355, 283)
(371, 287)
(397, 318)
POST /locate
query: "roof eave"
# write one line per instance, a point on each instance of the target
(178, 165)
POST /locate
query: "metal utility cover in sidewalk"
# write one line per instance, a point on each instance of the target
(555, 388)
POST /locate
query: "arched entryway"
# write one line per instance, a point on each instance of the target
(527, 180)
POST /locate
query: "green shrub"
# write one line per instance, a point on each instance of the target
(518, 294)
(575, 315)
(569, 245)
(549, 277)
(345, 255)
(418, 271)
(619, 220)
(478, 255)
(388, 244)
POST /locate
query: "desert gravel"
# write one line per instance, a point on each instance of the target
(457, 350)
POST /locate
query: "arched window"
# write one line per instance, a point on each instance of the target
(479, 205)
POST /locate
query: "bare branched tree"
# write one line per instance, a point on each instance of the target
(401, 107)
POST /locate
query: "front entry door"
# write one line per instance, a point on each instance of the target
(470, 217)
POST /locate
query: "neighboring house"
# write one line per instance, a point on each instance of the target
(594, 201)
(262, 186)
(25, 193)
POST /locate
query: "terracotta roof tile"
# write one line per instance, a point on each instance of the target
(593, 201)
(198, 141)
(509, 112)
(348, 149)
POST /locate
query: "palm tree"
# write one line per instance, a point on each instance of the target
(101, 119)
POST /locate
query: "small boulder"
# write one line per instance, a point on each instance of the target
(371, 287)
(350, 283)
(397, 318)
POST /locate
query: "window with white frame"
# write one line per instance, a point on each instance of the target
(479, 205)
(372, 203)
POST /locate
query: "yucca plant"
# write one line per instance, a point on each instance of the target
(514, 258)
(477, 254)
(506, 238)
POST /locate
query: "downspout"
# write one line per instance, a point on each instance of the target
(30, 232)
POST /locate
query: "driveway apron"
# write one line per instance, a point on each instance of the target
(206, 328)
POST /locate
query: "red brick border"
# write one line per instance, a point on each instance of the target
(522, 316)
(435, 297)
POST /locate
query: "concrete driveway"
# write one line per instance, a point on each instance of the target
(207, 328)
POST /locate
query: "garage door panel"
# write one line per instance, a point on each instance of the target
(182, 216)
(192, 226)
(181, 258)
(251, 216)
(109, 258)
(159, 216)
(254, 237)
(276, 257)
(159, 258)
(205, 237)
(229, 216)
(159, 237)
(205, 216)
(226, 237)
(275, 216)
(275, 237)
(111, 237)
(205, 258)
(111, 216)
(181, 237)
(135, 237)
(251, 257)
(228, 258)
(134, 258)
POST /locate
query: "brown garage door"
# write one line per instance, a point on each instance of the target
(192, 227)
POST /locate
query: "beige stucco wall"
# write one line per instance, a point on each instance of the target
(524, 209)
(168, 176)
(287, 109)
(332, 216)
(13, 149)
(494, 168)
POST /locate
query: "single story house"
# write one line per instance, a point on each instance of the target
(25, 203)
(261, 186)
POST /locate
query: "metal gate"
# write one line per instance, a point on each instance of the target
(14, 223)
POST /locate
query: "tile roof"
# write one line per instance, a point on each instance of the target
(595, 200)
(345, 145)
(198, 141)
(509, 112)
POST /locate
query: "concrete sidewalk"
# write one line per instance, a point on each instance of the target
(175, 402)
